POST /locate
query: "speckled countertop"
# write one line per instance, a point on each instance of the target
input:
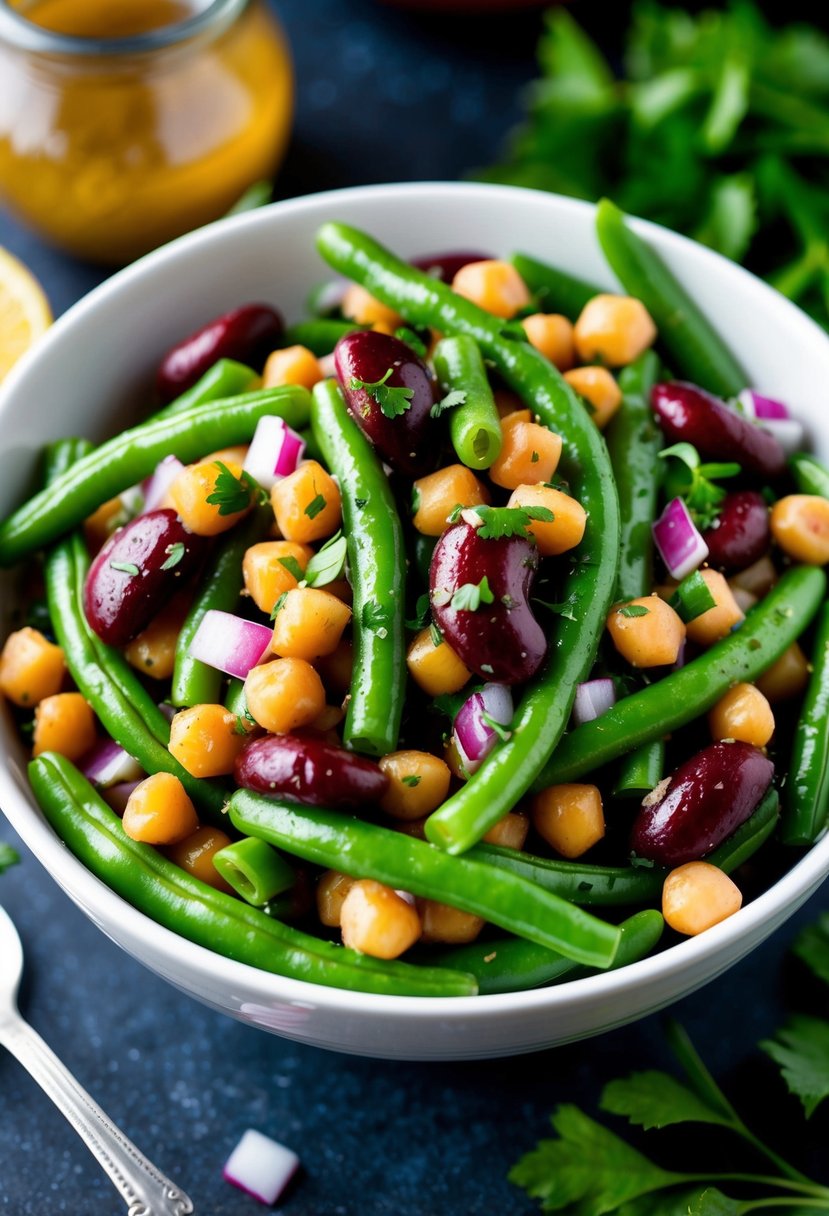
(382, 95)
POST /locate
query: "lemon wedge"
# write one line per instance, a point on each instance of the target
(24, 311)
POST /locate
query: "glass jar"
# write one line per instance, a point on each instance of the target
(124, 123)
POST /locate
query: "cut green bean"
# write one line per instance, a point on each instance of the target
(320, 336)
(254, 870)
(474, 424)
(641, 770)
(692, 597)
(225, 378)
(554, 290)
(810, 474)
(131, 456)
(235, 699)
(364, 850)
(807, 787)
(513, 964)
(696, 348)
(194, 682)
(376, 560)
(191, 909)
(649, 714)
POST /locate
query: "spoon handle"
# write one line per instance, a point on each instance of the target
(143, 1188)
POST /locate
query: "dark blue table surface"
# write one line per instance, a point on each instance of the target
(383, 95)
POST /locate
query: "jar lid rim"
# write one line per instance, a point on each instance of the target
(17, 31)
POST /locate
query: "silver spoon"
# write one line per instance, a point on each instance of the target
(143, 1188)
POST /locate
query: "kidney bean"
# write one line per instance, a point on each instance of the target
(445, 266)
(402, 441)
(741, 534)
(302, 768)
(688, 414)
(501, 641)
(127, 584)
(248, 334)
(706, 799)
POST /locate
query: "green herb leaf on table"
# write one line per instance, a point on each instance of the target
(656, 1099)
(801, 1049)
(393, 400)
(231, 493)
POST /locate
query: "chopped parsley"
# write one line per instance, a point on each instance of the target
(411, 780)
(292, 566)
(279, 605)
(499, 728)
(470, 596)
(692, 481)
(393, 400)
(375, 617)
(328, 564)
(500, 522)
(231, 494)
(175, 553)
(633, 610)
(421, 616)
(436, 636)
(315, 506)
(456, 397)
(125, 568)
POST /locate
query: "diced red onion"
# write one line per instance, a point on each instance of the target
(755, 405)
(679, 542)
(117, 796)
(680, 659)
(168, 710)
(788, 432)
(329, 296)
(327, 365)
(474, 737)
(159, 482)
(275, 451)
(593, 698)
(108, 764)
(260, 1166)
(229, 643)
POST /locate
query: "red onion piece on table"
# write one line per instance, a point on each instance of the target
(260, 1166)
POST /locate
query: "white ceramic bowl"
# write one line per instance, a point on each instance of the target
(96, 362)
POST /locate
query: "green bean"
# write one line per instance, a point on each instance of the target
(124, 708)
(377, 561)
(511, 767)
(190, 908)
(321, 335)
(255, 871)
(235, 699)
(807, 787)
(554, 290)
(626, 886)
(810, 474)
(697, 349)
(641, 770)
(474, 425)
(363, 850)
(634, 442)
(225, 378)
(512, 964)
(768, 629)
(195, 683)
(132, 456)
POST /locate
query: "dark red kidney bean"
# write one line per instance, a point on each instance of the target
(445, 266)
(248, 334)
(501, 641)
(127, 583)
(403, 441)
(702, 804)
(688, 414)
(741, 534)
(302, 768)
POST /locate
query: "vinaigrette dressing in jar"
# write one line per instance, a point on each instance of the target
(124, 123)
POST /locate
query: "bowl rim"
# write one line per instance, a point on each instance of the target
(106, 907)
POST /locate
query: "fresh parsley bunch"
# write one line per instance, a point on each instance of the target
(590, 1171)
(717, 126)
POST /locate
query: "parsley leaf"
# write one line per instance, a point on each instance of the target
(801, 1048)
(327, 565)
(422, 612)
(656, 1099)
(412, 779)
(633, 610)
(812, 947)
(292, 566)
(175, 553)
(279, 605)
(375, 617)
(315, 506)
(503, 732)
(691, 480)
(469, 596)
(393, 400)
(231, 494)
(456, 397)
(125, 568)
(8, 857)
(510, 521)
(435, 635)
